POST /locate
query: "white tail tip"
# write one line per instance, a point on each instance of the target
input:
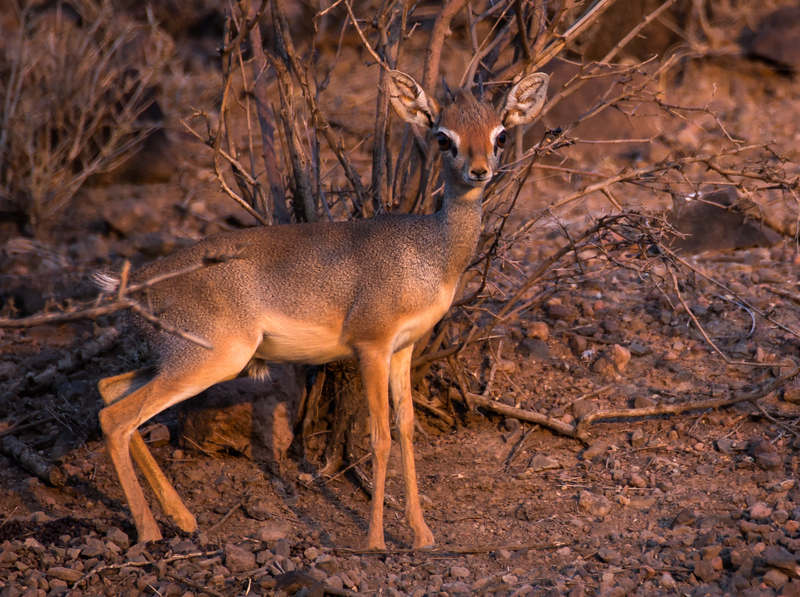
(106, 281)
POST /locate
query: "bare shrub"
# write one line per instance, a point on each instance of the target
(72, 99)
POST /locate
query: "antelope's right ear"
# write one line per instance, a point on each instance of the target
(410, 101)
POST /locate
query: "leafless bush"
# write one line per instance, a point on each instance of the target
(72, 99)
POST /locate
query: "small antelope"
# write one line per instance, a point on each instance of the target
(315, 293)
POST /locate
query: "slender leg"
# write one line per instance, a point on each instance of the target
(375, 376)
(118, 387)
(400, 384)
(190, 372)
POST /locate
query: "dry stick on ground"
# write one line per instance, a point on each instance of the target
(523, 415)
(186, 556)
(670, 409)
(32, 462)
(230, 513)
(194, 585)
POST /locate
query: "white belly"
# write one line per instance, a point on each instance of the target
(295, 341)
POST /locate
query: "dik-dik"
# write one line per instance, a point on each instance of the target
(315, 293)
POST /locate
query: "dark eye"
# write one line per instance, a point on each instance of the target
(444, 141)
(501, 140)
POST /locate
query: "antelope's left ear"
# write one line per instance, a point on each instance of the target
(525, 100)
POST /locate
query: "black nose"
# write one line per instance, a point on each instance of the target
(478, 173)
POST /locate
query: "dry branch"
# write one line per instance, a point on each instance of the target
(672, 409)
(32, 462)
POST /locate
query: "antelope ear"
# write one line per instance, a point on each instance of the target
(525, 100)
(410, 101)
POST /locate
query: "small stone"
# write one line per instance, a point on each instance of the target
(66, 574)
(596, 449)
(638, 350)
(158, 436)
(238, 559)
(459, 572)
(269, 534)
(779, 557)
(709, 552)
(779, 516)
(581, 408)
(94, 548)
(792, 589)
(775, 579)
(118, 538)
(282, 548)
(538, 330)
(643, 402)
(577, 344)
(534, 349)
(725, 445)
(610, 556)
(760, 510)
(540, 462)
(667, 582)
(506, 365)
(317, 575)
(311, 554)
(766, 455)
(620, 357)
(704, 570)
(334, 582)
(558, 311)
(637, 481)
(669, 356)
(593, 504)
(791, 392)
(291, 582)
(327, 563)
(637, 438)
(685, 517)
(705, 470)
(604, 367)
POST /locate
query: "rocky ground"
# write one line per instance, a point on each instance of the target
(700, 502)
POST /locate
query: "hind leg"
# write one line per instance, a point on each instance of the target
(118, 387)
(190, 371)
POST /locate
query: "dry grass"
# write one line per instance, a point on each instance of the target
(73, 98)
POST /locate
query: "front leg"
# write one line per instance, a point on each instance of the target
(400, 384)
(375, 377)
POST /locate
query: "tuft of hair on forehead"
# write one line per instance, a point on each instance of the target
(467, 110)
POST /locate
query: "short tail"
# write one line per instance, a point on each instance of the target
(105, 280)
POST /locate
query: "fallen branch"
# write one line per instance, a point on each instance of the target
(671, 409)
(32, 462)
(22, 425)
(523, 415)
(185, 556)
